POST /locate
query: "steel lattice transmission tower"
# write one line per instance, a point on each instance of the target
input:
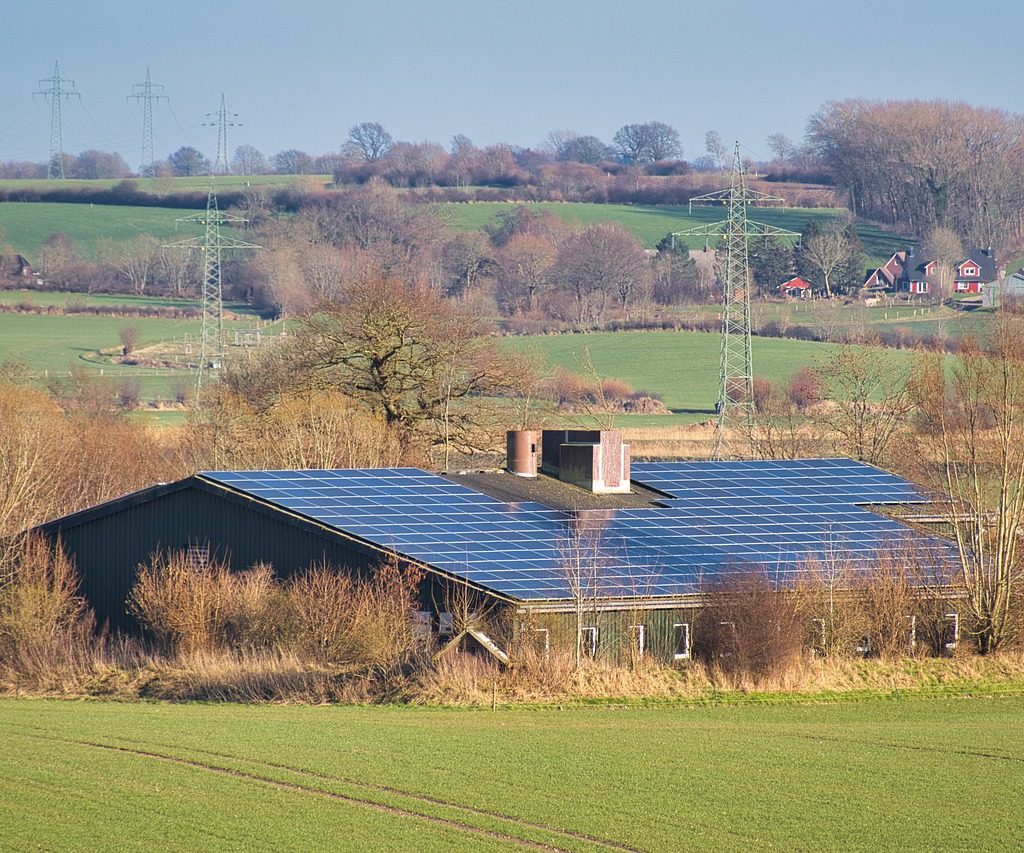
(212, 245)
(145, 93)
(57, 91)
(222, 123)
(735, 404)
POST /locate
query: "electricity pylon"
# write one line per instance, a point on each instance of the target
(56, 92)
(222, 123)
(735, 404)
(212, 245)
(146, 94)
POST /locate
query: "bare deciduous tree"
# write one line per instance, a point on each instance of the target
(867, 401)
(716, 148)
(369, 141)
(975, 412)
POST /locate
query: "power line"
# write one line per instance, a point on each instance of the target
(213, 243)
(222, 124)
(145, 93)
(736, 369)
(56, 92)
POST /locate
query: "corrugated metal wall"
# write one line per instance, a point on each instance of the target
(616, 632)
(107, 549)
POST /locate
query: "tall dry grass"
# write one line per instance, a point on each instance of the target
(337, 618)
(324, 615)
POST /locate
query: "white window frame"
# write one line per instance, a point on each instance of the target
(686, 637)
(638, 637)
(422, 624)
(547, 638)
(591, 637)
(445, 624)
(955, 619)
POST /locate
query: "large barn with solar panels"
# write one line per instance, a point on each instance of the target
(570, 523)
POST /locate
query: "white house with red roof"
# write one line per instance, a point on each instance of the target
(796, 288)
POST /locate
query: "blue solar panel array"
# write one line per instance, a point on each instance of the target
(716, 518)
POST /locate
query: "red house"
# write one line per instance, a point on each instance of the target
(886, 276)
(795, 287)
(975, 271)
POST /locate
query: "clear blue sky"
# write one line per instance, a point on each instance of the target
(301, 73)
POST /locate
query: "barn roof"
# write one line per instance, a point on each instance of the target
(712, 519)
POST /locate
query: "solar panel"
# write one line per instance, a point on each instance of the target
(717, 518)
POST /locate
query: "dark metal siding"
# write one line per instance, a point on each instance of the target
(614, 640)
(107, 549)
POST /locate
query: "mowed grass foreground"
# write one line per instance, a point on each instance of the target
(926, 774)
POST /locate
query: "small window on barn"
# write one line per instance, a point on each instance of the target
(951, 634)
(820, 637)
(637, 638)
(445, 624)
(541, 641)
(421, 622)
(197, 557)
(681, 631)
(590, 639)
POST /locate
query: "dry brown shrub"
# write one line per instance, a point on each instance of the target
(253, 676)
(39, 601)
(614, 392)
(469, 679)
(340, 619)
(752, 628)
(192, 608)
(836, 620)
(890, 602)
(566, 388)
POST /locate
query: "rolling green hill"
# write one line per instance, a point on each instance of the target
(25, 225)
(682, 367)
(652, 222)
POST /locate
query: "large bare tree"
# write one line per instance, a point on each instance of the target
(973, 415)
(921, 164)
(368, 141)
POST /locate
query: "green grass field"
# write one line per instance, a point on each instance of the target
(652, 222)
(930, 774)
(162, 186)
(680, 366)
(50, 345)
(25, 225)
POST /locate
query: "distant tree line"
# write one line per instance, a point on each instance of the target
(925, 164)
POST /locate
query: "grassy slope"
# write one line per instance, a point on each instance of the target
(162, 186)
(930, 774)
(25, 225)
(652, 222)
(680, 366)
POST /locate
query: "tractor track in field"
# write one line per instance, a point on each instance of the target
(428, 800)
(908, 747)
(312, 790)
